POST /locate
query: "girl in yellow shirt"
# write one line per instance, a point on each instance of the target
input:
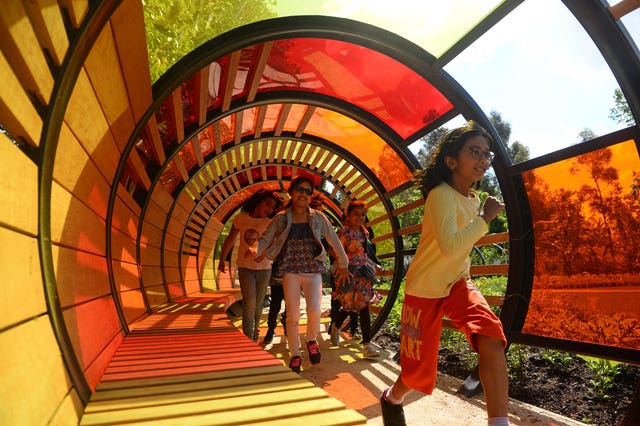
(438, 281)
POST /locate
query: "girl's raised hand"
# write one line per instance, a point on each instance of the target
(491, 208)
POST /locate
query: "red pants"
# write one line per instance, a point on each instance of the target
(421, 325)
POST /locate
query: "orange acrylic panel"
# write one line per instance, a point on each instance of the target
(586, 222)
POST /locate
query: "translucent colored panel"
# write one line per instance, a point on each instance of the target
(541, 71)
(226, 129)
(398, 96)
(586, 220)
(239, 197)
(165, 120)
(249, 121)
(170, 178)
(433, 25)
(362, 143)
(206, 141)
(188, 156)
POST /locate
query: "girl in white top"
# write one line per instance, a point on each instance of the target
(253, 276)
(438, 281)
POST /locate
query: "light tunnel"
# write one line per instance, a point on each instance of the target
(116, 190)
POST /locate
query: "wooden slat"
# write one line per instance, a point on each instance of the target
(409, 206)
(623, 7)
(187, 364)
(308, 114)
(17, 114)
(131, 43)
(178, 118)
(22, 50)
(495, 300)
(265, 51)
(47, 23)
(156, 141)
(19, 201)
(86, 119)
(76, 10)
(22, 288)
(490, 269)
(80, 180)
(501, 237)
(33, 354)
(231, 72)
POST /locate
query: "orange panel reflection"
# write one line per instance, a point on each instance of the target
(586, 218)
(363, 143)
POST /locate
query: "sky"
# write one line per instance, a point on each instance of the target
(541, 71)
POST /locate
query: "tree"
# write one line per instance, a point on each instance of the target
(621, 113)
(430, 142)
(176, 27)
(586, 135)
(518, 152)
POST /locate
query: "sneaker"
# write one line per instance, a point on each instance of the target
(268, 338)
(335, 335)
(392, 415)
(295, 363)
(314, 351)
(370, 351)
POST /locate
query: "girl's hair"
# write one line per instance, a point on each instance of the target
(450, 145)
(258, 197)
(296, 181)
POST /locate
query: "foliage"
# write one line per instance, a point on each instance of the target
(604, 374)
(456, 342)
(517, 151)
(176, 27)
(558, 359)
(517, 362)
(621, 113)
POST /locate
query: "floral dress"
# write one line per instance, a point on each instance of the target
(358, 292)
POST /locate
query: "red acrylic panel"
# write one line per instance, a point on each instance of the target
(394, 93)
(188, 156)
(586, 221)
(166, 122)
(170, 178)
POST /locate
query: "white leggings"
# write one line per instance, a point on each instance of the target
(311, 286)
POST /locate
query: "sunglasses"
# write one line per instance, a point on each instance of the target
(478, 154)
(302, 190)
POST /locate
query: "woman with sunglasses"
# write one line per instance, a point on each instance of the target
(294, 238)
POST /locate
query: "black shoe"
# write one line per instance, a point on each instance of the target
(392, 414)
(295, 363)
(268, 338)
(314, 351)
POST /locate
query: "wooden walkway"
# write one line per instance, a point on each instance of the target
(187, 364)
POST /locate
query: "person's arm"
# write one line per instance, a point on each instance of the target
(226, 247)
(266, 239)
(342, 261)
(440, 210)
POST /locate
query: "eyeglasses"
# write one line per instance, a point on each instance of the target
(302, 190)
(478, 154)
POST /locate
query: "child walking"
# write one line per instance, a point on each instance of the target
(359, 293)
(253, 276)
(294, 237)
(438, 281)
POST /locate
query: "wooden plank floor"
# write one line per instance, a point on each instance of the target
(187, 364)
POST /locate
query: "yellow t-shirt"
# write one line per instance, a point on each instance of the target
(450, 228)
